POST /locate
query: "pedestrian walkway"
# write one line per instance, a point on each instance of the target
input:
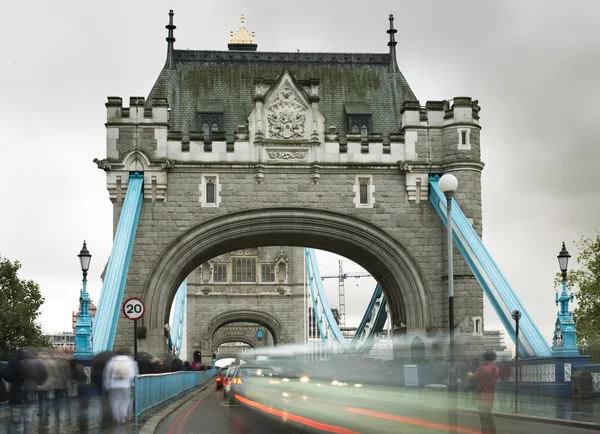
(564, 408)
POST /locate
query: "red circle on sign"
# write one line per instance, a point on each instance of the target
(134, 308)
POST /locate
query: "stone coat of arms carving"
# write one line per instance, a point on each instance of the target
(286, 115)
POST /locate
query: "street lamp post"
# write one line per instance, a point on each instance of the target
(448, 184)
(564, 342)
(516, 315)
(83, 323)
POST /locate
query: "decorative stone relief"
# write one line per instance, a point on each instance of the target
(315, 174)
(596, 381)
(287, 155)
(567, 372)
(282, 268)
(259, 173)
(538, 373)
(246, 252)
(417, 187)
(286, 115)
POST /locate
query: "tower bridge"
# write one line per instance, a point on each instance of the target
(235, 152)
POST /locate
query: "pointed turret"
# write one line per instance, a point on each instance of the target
(170, 41)
(392, 44)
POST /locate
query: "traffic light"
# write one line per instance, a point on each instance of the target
(214, 359)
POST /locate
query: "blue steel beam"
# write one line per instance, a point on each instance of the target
(372, 323)
(317, 292)
(494, 284)
(178, 319)
(109, 306)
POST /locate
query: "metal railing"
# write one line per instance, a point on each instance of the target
(153, 391)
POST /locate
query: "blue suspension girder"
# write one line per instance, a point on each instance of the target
(109, 306)
(178, 319)
(372, 323)
(328, 327)
(494, 284)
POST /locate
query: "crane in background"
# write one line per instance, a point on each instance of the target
(341, 276)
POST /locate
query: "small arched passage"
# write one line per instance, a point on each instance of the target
(234, 338)
(264, 319)
(374, 249)
(231, 355)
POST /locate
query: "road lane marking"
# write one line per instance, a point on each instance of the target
(179, 418)
(294, 418)
(408, 420)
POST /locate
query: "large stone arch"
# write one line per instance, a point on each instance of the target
(270, 322)
(378, 252)
(234, 338)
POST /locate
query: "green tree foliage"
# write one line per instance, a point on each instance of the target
(20, 302)
(585, 281)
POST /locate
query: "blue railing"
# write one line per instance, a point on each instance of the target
(153, 391)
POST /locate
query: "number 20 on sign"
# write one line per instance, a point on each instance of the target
(134, 308)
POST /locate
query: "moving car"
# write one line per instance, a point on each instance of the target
(227, 378)
(249, 381)
(219, 380)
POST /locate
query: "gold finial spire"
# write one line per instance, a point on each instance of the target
(242, 36)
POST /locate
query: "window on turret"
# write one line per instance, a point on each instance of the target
(464, 139)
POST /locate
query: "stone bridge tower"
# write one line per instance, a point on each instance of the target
(243, 149)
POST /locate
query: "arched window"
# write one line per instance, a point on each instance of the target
(364, 191)
(360, 124)
(210, 190)
(209, 123)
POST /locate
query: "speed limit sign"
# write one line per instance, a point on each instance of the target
(133, 308)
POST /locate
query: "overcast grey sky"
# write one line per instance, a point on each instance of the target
(534, 66)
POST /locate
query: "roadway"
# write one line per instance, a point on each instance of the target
(208, 413)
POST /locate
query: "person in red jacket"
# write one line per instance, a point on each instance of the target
(485, 387)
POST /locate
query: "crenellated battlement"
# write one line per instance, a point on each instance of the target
(138, 112)
(460, 110)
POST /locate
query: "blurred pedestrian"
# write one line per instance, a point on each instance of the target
(485, 388)
(24, 374)
(118, 381)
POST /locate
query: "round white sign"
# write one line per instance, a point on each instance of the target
(133, 308)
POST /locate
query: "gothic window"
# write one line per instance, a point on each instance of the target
(209, 123)
(267, 274)
(360, 124)
(364, 190)
(243, 270)
(220, 273)
(210, 190)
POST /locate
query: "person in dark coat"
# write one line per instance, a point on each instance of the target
(24, 374)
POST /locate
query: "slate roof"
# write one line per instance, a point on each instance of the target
(227, 79)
